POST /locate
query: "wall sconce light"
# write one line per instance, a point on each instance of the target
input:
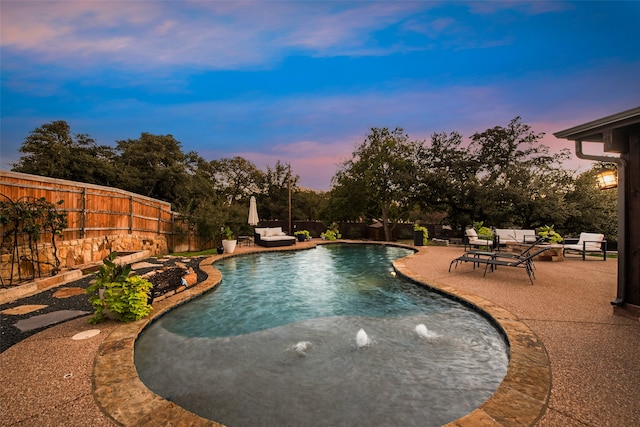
(607, 178)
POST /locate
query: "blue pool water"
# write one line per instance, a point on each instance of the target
(276, 344)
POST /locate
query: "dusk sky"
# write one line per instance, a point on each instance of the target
(303, 81)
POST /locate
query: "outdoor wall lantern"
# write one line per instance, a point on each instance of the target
(607, 178)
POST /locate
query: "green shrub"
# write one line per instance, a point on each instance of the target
(483, 232)
(304, 233)
(425, 233)
(332, 233)
(550, 234)
(228, 234)
(113, 291)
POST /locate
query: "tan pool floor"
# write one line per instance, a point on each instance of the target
(563, 327)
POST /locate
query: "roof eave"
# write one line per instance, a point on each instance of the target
(593, 131)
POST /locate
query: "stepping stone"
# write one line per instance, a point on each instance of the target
(22, 309)
(68, 292)
(47, 319)
(86, 334)
(144, 264)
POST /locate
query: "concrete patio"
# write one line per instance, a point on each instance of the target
(594, 357)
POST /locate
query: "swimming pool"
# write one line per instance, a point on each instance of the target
(277, 344)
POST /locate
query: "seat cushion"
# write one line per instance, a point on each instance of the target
(276, 238)
(261, 231)
(591, 238)
(587, 248)
(470, 232)
(481, 242)
(274, 231)
(525, 236)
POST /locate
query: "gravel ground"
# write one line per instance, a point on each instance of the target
(163, 282)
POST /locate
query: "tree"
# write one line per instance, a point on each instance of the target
(52, 150)
(155, 166)
(517, 174)
(448, 173)
(236, 178)
(380, 176)
(308, 204)
(504, 177)
(590, 209)
(274, 185)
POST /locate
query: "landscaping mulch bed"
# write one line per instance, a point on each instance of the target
(163, 281)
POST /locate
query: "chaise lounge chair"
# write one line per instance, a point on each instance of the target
(588, 242)
(501, 254)
(495, 259)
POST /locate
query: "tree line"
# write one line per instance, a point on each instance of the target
(504, 177)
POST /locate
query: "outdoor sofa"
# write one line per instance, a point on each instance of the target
(270, 237)
(513, 235)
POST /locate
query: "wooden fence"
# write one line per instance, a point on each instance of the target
(93, 210)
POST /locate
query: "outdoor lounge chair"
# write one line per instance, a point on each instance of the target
(494, 260)
(475, 254)
(471, 239)
(501, 254)
(588, 242)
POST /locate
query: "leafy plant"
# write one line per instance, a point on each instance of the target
(549, 234)
(425, 233)
(329, 235)
(228, 234)
(332, 232)
(304, 233)
(114, 291)
(23, 224)
(482, 230)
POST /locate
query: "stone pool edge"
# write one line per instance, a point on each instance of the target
(521, 398)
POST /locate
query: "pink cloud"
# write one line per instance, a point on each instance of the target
(315, 162)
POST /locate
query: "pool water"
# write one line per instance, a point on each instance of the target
(276, 344)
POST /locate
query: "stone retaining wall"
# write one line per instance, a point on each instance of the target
(74, 253)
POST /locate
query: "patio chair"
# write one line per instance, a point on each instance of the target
(588, 242)
(471, 239)
(494, 260)
(475, 254)
(501, 254)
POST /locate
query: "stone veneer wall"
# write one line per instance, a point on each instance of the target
(85, 251)
(74, 253)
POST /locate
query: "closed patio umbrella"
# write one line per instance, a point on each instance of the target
(253, 212)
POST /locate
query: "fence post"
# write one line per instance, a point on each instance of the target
(173, 230)
(83, 214)
(130, 214)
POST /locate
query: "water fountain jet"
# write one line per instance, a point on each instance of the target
(301, 347)
(362, 339)
(423, 332)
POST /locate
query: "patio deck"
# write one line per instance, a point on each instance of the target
(48, 379)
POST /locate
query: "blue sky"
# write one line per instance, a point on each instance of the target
(303, 81)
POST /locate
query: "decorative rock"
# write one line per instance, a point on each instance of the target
(86, 334)
(68, 292)
(191, 278)
(440, 242)
(22, 309)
